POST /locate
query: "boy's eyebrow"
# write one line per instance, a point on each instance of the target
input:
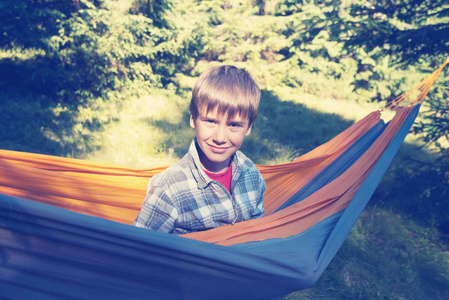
(238, 119)
(207, 117)
(237, 122)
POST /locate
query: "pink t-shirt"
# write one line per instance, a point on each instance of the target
(224, 178)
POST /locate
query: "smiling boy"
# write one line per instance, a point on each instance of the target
(214, 184)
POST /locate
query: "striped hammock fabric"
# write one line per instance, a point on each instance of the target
(65, 223)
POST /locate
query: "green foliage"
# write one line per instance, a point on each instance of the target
(27, 23)
(382, 34)
(411, 29)
(434, 126)
(85, 53)
(376, 35)
(82, 51)
(154, 10)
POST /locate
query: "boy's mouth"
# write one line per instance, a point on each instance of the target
(216, 149)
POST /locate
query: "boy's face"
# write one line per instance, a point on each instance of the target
(219, 138)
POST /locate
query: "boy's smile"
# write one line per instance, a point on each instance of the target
(218, 138)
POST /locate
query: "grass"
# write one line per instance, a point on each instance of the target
(385, 257)
(150, 132)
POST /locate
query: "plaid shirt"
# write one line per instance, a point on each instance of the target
(184, 199)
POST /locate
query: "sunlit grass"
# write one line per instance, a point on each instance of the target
(149, 133)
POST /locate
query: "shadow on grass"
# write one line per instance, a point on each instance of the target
(23, 121)
(417, 187)
(288, 129)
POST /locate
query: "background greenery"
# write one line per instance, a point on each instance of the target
(110, 81)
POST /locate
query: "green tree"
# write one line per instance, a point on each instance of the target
(68, 57)
(28, 23)
(412, 30)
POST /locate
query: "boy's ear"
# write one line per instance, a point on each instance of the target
(192, 122)
(248, 131)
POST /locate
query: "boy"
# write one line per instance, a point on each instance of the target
(213, 184)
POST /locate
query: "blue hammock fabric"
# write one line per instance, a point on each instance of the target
(48, 252)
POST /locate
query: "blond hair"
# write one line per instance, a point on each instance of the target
(229, 89)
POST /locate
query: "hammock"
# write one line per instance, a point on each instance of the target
(64, 223)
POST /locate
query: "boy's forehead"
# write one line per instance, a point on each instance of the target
(216, 114)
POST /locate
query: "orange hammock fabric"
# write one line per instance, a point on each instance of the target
(116, 193)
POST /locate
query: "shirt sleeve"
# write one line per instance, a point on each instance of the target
(157, 212)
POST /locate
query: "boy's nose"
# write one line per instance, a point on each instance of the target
(220, 135)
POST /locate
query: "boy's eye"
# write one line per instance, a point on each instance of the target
(209, 122)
